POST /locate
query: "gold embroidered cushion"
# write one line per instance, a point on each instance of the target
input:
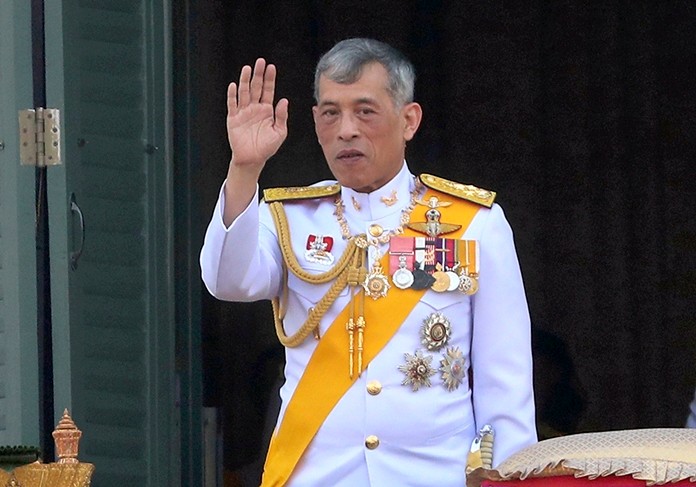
(657, 456)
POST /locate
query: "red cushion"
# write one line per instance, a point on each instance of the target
(567, 481)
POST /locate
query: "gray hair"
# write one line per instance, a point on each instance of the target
(344, 62)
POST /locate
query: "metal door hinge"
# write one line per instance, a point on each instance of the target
(39, 137)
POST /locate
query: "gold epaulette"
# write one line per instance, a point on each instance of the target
(467, 192)
(300, 192)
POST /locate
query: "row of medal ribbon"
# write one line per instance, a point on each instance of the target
(441, 264)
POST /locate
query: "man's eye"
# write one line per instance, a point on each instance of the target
(329, 113)
(366, 111)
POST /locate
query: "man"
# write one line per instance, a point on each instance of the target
(389, 290)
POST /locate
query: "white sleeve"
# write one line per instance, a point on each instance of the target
(501, 343)
(241, 262)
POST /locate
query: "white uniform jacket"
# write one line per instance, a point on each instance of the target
(424, 436)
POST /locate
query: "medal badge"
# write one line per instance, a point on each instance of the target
(442, 281)
(440, 264)
(432, 226)
(401, 261)
(376, 283)
(417, 370)
(452, 368)
(468, 274)
(318, 249)
(436, 331)
(402, 278)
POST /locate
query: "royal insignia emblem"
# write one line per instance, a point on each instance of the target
(452, 368)
(433, 227)
(417, 370)
(436, 331)
(376, 283)
(318, 249)
(390, 200)
(356, 204)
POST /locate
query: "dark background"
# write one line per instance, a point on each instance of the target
(581, 116)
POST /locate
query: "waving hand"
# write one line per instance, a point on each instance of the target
(255, 129)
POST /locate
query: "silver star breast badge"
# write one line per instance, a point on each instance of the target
(417, 370)
(452, 368)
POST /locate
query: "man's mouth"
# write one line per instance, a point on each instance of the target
(348, 155)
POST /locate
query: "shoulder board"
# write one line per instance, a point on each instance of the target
(300, 192)
(467, 192)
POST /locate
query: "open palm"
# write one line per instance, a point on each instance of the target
(254, 128)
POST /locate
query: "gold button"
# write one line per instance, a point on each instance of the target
(374, 387)
(371, 442)
(376, 230)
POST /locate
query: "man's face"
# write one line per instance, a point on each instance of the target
(362, 133)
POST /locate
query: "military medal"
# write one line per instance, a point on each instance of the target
(421, 280)
(468, 282)
(376, 283)
(454, 280)
(452, 368)
(467, 285)
(402, 278)
(417, 370)
(436, 331)
(442, 282)
(401, 258)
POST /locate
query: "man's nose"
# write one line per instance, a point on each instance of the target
(348, 128)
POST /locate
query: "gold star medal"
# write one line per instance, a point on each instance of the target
(376, 283)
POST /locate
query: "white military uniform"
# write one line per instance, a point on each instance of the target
(424, 436)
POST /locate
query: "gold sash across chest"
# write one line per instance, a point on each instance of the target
(325, 380)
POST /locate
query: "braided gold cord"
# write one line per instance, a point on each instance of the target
(349, 269)
(283, 229)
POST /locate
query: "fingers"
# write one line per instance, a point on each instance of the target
(258, 80)
(268, 90)
(281, 115)
(243, 92)
(257, 86)
(232, 99)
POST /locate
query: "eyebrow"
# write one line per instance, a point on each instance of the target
(364, 99)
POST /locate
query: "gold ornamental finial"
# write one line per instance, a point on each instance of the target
(67, 439)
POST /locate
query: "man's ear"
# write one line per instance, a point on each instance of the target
(412, 114)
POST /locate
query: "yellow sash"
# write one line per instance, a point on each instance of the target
(326, 378)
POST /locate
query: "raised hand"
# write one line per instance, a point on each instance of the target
(255, 129)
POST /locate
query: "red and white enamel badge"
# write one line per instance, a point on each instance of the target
(318, 249)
